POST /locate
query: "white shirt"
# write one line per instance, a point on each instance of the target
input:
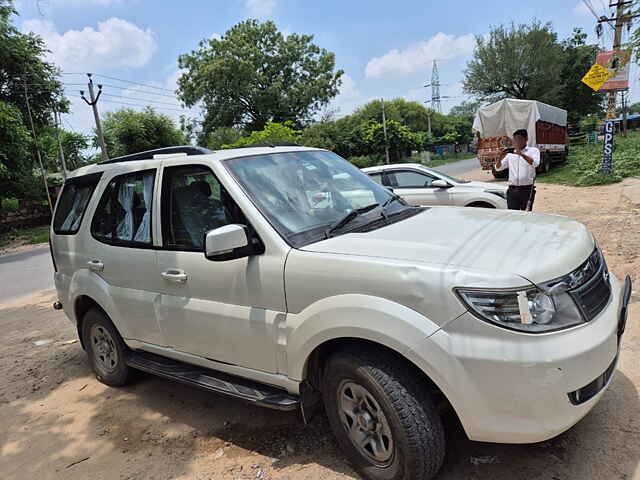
(520, 172)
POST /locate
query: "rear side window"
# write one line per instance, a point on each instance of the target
(123, 216)
(73, 202)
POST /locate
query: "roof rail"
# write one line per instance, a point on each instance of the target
(148, 155)
(272, 145)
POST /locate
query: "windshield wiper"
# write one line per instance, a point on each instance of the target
(349, 216)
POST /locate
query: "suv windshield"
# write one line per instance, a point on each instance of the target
(305, 194)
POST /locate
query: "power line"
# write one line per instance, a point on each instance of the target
(134, 83)
(141, 91)
(142, 99)
(138, 104)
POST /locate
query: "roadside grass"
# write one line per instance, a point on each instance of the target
(25, 236)
(582, 168)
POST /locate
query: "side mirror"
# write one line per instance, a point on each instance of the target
(440, 184)
(227, 243)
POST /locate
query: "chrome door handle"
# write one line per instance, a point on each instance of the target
(174, 275)
(95, 265)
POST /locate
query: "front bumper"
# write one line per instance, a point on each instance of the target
(510, 387)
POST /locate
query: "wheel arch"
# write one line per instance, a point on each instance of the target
(81, 305)
(480, 204)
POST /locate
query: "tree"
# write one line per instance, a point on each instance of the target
(634, 108)
(128, 131)
(465, 109)
(271, 133)
(400, 139)
(254, 75)
(21, 62)
(519, 61)
(578, 99)
(220, 136)
(17, 179)
(74, 146)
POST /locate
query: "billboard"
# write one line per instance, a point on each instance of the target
(616, 61)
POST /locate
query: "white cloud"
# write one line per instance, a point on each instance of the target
(420, 55)
(215, 36)
(115, 43)
(260, 8)
(581, 9)
(349, 98)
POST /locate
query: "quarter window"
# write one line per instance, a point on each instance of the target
(123, 216)
(73, 203)
(193, 202)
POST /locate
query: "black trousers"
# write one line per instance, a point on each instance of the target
(518, 197)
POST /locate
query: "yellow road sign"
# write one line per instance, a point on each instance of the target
(596, 77)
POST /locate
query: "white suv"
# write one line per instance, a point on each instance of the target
(285, 275)
(420, 185)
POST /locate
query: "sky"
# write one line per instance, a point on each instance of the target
(385, 48)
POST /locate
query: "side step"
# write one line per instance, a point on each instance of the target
(254, 392)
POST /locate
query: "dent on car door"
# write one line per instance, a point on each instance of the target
(227, 311)
(122, 253)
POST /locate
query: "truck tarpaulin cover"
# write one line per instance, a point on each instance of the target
(506, 116)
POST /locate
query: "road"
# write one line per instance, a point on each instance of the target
(25, 273)
(459, 168)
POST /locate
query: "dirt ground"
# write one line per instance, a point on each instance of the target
(58, 422)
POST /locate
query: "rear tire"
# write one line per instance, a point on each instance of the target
(105, 348)
(545, 165)
(382, 416)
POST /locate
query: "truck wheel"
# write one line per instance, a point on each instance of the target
(545, 165)
(105, 348)
(382, 417)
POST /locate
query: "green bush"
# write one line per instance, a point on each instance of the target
(365, 161)
(10, 204)
(583, 167)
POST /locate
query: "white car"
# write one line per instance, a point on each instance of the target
(420, 185)
(260, 273)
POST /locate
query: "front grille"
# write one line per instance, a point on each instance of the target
(594, 294)
(591, 390)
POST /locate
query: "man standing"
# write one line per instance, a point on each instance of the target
(522, 165)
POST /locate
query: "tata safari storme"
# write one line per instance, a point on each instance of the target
(285, 275)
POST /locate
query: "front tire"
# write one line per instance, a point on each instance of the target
(382, 416)
(105, 348)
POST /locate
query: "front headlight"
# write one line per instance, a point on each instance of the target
(532, 310)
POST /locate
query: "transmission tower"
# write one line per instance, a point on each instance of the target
(435, 89)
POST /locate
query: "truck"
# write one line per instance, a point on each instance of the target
(546, 125)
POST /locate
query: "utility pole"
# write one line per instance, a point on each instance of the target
(624, 113)
(35, 140)
(56, 119)
(94, 105)
(617, 40)
(384, 127)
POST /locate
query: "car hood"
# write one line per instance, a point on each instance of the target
(498, 243)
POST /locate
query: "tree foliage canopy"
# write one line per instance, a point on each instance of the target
(21, 62)
(528, 62)
(254, 75)
(128, 131)
(516, 61)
